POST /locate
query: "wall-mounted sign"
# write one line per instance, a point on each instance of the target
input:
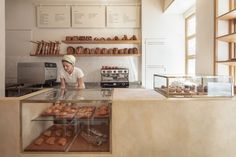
(123, 16)
(53, 16)
(88, 16)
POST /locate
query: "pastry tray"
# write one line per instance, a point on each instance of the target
(54, 147)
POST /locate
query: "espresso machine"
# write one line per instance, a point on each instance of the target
(114, 77)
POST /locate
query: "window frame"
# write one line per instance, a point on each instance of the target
(187, 38)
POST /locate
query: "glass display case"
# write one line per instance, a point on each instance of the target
(193, 86)
(67, 121)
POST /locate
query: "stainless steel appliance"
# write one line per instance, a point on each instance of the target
(114, 77)
(36, 73)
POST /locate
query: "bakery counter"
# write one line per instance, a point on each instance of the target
(144, 123)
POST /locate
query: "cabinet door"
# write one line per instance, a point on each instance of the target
(150, 71)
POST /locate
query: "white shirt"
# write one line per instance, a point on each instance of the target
(71, 79)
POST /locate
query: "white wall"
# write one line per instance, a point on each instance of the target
(21, 27)
(167, 27)
(205, 37)
(2, 48)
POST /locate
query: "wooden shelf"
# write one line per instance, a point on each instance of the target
(103, 42)
(228, 16)
(89, 55)
(228, 62)
(228, 38)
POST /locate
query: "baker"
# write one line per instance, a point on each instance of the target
(70, 75)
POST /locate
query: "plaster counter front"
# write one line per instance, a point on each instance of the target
(144, 123)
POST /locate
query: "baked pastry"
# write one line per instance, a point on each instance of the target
(116, 38)
(121, 51)
(39, 141)
(92, 51)
(86, 51)
(85, 111)
(110, 51)
(135, 50)
(62, 141)
(172, 89)
(70, 50)
(75, 38)
(68, 133)
(69, 38)
(96, 39)
(186, 90)
(179, 90)
(58, 132)
(130, 51)
(124, 37)
(47, 133)
(82, 38)
(97, 50)
(79, 50)
(205, 89)
(102, 110)
(109, 39)
(51, 140)
(126, 51)
(89, 38)
(133, 37)
(200, 88)
(115, 50)
(104, 51)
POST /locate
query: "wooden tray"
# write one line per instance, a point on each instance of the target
(55, 147)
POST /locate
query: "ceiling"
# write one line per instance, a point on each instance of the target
(180, 6)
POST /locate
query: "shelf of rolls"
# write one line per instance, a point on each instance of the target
(88, 55)
(102, 51)
(103, 42)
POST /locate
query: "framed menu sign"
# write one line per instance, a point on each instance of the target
(88, 16)
(51, 16)
(123, 16)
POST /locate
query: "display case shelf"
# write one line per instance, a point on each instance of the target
(89, 55)
(228, 16)
(103, 42)
(227, 38)
(228, 62)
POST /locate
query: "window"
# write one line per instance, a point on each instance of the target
(190, 44)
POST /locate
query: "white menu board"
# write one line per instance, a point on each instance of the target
(123, 16)
(88, 16)
(53, 16)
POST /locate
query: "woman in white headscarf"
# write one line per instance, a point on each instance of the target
(70, 75)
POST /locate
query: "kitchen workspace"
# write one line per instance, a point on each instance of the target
(118, 78)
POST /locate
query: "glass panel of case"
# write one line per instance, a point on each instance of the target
(67, 124)
(193, 86)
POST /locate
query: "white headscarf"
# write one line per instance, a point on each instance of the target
(69, 58)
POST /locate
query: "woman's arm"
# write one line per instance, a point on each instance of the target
(63, 83)
(80, 83)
